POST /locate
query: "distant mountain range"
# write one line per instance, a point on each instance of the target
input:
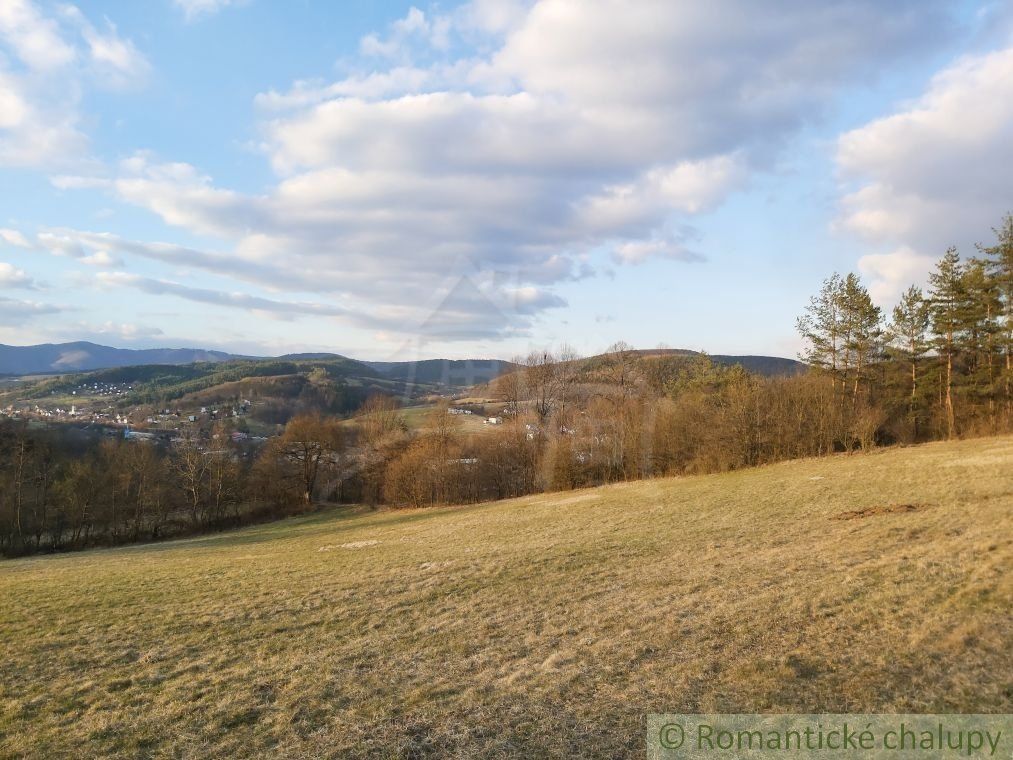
(82, 356)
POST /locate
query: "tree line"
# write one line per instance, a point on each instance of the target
(944, 356)
(940, 365)
(59, 492)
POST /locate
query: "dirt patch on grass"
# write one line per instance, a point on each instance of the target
(888, 509)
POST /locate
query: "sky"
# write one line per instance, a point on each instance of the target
(484, 178)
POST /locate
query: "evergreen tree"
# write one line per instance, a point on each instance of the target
(821, 328)
(980, 332)
(946, 307)
(861, 320)
(907, 335)
(999, 264)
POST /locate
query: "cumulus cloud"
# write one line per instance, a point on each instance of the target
(889, 274)
(11, 277)
(34, 38)
(368, 86)
(569, 127)
(490, 16)
(35, 131)
(935, 173)
(47, 60)
(414, 24)
(635, 208)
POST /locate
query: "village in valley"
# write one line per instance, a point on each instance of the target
(102, 408)
(99, 408)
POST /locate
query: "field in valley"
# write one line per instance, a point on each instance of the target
(541, 626)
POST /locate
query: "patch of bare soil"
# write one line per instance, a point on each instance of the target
(888, 509)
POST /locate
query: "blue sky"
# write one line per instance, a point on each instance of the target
(480, 178)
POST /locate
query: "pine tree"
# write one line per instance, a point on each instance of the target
(980, 331)
(821, 328)
(946, 304)
(999, 264)
(907, 336)
(861, 320)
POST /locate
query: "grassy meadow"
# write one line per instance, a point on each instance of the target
(541, 626)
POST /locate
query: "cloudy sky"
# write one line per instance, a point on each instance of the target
(474, 179)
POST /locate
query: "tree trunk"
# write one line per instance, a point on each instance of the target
(912, 401)
(949, 394)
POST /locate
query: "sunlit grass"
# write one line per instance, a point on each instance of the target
(541, 626)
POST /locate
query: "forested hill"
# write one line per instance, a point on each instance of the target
(452, 372)
(769, 366)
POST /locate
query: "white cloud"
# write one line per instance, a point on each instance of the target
(15, 312)
(282, 309)
(105, 249)
(576, 126)
(889, 274)
(14, 237)
(491, 16)
(415, 26)
(33, 38)
(194, 9)
(733, 65)
(690, 187)
(936, 173)
(35, 131)
(375, 84)
(669, 247)
(101, 259)
(61, 245)
(47, 63)
(117, 61)
(13, 108)
(11, 277)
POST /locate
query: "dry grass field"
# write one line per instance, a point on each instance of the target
(543, 626)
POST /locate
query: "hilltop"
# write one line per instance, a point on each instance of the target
(82, 356)
(768, 366)
(546, 625)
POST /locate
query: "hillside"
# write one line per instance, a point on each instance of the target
(450, 372)
(769, 366)
(82, 356)
(540, 626)
(52, 358)
(155, 383)
(325, 382)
